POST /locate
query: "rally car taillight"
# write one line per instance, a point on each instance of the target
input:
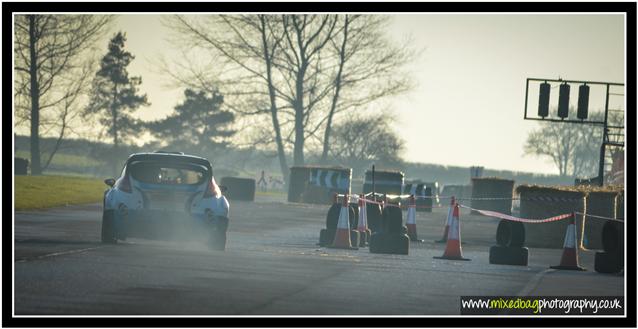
(124, 184)
(212, 190)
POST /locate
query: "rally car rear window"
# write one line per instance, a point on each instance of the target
(173, 174)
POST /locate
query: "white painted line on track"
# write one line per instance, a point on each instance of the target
(533, 283)
(67, 252)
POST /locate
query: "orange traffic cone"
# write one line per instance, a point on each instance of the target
(453, 246)
(411, 220)
(342, 235)
(569, 260)
(447, 221)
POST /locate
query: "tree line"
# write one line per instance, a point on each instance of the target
(304, 87)
(300, 77)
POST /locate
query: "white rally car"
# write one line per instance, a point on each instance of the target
(165, 195)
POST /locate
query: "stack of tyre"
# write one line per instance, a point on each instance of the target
(239, 188)
(510, 241)
(390, 236)
(327, 235)
(425, 204)
(611, 259)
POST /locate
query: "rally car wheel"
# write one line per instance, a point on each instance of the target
(108, 227)
(217, 241)
(218, 234)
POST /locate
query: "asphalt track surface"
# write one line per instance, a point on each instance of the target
(272, 266)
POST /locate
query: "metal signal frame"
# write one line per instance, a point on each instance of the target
(605, 142)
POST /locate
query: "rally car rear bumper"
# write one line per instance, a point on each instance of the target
(162, 224)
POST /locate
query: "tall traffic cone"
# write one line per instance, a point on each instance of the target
(453, 246)
(447, 221)
(342, 235)
(569, 260)
(411, 220)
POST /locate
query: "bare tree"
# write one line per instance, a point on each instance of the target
(361, 141)
(368, 67)
(247, 45)
(49, 68)
(573, 148)
(301, 70)
(556, 141)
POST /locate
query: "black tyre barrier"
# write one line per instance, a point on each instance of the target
(399, 244)
(239, 188)
(606, 262)
(327, 235)
(355, 238)
(374, 217)
(387, 243)
(365, 238)
(509, 255)
(612, 237)
(517, 237)
(392, 221)
(377, 243)
(108, 227)
(503, 233)
(355, 209)
(332, 218)
(352, 219)
(21, 166)
(429, 202)
(510, 234)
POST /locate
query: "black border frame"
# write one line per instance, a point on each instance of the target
(8, 8)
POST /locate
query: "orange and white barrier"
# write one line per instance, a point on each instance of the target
(453, 247)
(411, 220)
(569, 259)
(342, 235)
(448, 219)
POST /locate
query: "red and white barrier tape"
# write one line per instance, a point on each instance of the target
(600, 217)
(356, 198)
(418, 207)
(487, 199)
(517, 219)
(407, 196)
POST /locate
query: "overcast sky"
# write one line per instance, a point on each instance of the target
(468, 106)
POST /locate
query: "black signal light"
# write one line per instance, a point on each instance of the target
(543, 100)
(563, 101)
(583, 101)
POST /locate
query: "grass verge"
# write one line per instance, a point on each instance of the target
(39, 192)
